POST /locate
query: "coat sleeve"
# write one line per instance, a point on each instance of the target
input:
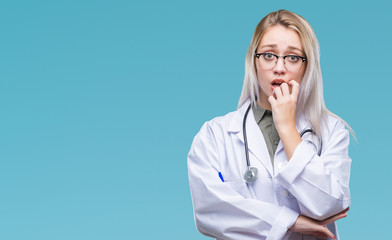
(320, 183)
(222, 212)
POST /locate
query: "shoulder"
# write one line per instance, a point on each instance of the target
(207, 142)
(217, 125)
(334, 129)
(333, 123)
(220, 127)
(330, 125)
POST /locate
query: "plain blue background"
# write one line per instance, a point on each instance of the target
(100, 101)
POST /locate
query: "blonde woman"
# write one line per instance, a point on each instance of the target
(278, 166)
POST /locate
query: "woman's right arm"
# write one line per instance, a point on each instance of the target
(223, 213)
(309, 226)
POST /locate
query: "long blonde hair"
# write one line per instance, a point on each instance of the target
(310, 102)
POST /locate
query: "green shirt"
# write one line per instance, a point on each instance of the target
(266, 124)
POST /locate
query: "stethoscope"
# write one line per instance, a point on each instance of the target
(252, 173)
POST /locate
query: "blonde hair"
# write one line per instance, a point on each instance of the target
(310, 102)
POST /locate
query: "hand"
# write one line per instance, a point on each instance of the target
(309, 226)
(283, 105)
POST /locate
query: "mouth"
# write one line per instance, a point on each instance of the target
(276, 83)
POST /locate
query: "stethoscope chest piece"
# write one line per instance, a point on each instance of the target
(251, 174)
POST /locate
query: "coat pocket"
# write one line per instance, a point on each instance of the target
(240, 187)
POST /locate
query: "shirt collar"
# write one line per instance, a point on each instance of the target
(259, 112)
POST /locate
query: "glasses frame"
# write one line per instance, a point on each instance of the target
(277, 57)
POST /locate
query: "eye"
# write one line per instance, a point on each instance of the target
(268, 56)
(292, 58)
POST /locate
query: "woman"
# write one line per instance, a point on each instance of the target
(292, 181)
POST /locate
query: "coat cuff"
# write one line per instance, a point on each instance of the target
(285, 219)
(304, 152)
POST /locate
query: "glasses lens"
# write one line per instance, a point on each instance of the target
(267, 61)
(293, 63)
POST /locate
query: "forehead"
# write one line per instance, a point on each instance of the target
(280, 38)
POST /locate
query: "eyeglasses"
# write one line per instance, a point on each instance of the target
(293, 63)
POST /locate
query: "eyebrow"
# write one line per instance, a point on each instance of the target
(289, 47)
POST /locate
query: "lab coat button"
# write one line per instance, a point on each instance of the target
(285, 193)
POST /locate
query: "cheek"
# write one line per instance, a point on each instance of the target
(261, 77)
(264, 85)
(298, 77)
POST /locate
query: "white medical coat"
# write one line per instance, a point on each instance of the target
(308, 184)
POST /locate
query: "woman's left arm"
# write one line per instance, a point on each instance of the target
(319, 183)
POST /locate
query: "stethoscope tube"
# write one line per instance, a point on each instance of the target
(251, 173)
(245, 138)
(311, 131)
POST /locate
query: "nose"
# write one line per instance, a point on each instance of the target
(280, 67)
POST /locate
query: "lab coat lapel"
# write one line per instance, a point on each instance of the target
(256, 142)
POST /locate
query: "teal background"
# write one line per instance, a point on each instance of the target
(100, 101)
